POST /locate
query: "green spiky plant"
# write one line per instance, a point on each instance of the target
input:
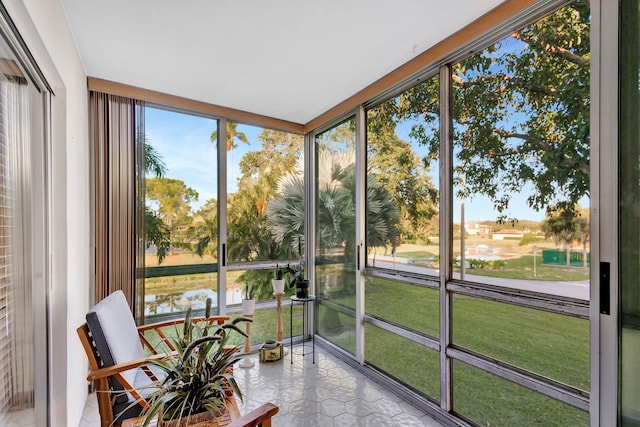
(198, 375)
(248, 292)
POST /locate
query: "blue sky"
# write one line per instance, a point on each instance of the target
(183, 141)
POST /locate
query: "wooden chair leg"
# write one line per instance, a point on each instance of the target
(104, 401)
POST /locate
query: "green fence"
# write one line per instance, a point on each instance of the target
(559, 257)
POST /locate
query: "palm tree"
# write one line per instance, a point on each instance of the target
(153, 163)
(285, 213)
(204, 228)
(335, 208)
(335, 219)
(155, 230)
(232, 134)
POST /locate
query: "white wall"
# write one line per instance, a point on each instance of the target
(43, 25)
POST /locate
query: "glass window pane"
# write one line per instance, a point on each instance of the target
(335, 233)
(521, 158)
(258, 282)
(170, 295)
(489, 400)
(181, 211)
(411, 363)
(548, 344)
(264, 326)
(412, 306)
(265, 205)
(629, 206)
(337, 327)
(402, 181)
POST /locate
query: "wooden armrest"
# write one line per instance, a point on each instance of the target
(165, 336)
(212, 320)
(259, 416)
(120, 367)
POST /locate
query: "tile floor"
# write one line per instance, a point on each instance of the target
(327, 393)
(24, 418)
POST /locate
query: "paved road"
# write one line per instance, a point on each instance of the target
(578, 289)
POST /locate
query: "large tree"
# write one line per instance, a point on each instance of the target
(396, 167)
(173, 199)
(249, 239)
(520, 114)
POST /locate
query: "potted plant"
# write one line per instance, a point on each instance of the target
(278, 281)
(198, 376)
(299, 282)
(248, 300)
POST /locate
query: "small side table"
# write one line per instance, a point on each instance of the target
(304, 302)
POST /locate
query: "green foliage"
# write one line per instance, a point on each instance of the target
(481, 264)
(566, 223)
(296, 274)
(156, 233)
(153, 163)
(172, 197)
(528, 238)
(396, 167)
(232, 135)
(520, 112)
(198, 375)
(248, 236)
(204, 228)
(335, 223)
(261, 281)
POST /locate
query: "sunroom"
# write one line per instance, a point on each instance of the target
(458, 182)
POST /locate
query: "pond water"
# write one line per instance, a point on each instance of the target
(196, 299)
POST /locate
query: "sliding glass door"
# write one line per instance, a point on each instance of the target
(23, 244)
(335, 234)
(629, 214)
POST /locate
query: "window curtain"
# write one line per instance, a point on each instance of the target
(16, 311)
(117, 132)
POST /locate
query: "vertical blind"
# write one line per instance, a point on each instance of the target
(16, 314)
(117, 133)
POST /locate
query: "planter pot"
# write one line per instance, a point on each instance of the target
(248, 307)
(278, 286)
(302, 289)
(201, 419)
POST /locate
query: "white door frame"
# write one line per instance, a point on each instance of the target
(604, 211)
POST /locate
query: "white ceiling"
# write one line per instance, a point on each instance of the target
(289, 59)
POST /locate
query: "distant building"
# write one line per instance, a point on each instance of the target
(475, 229)
(502, 234)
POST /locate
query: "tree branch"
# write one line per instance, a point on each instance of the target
(538, 143)
(556, 50)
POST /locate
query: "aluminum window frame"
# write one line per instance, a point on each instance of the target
(445, 282)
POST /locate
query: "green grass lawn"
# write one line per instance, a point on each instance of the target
(522, 268)
(489, 400)
(397, 302)
(417, 254)
(548, 344)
